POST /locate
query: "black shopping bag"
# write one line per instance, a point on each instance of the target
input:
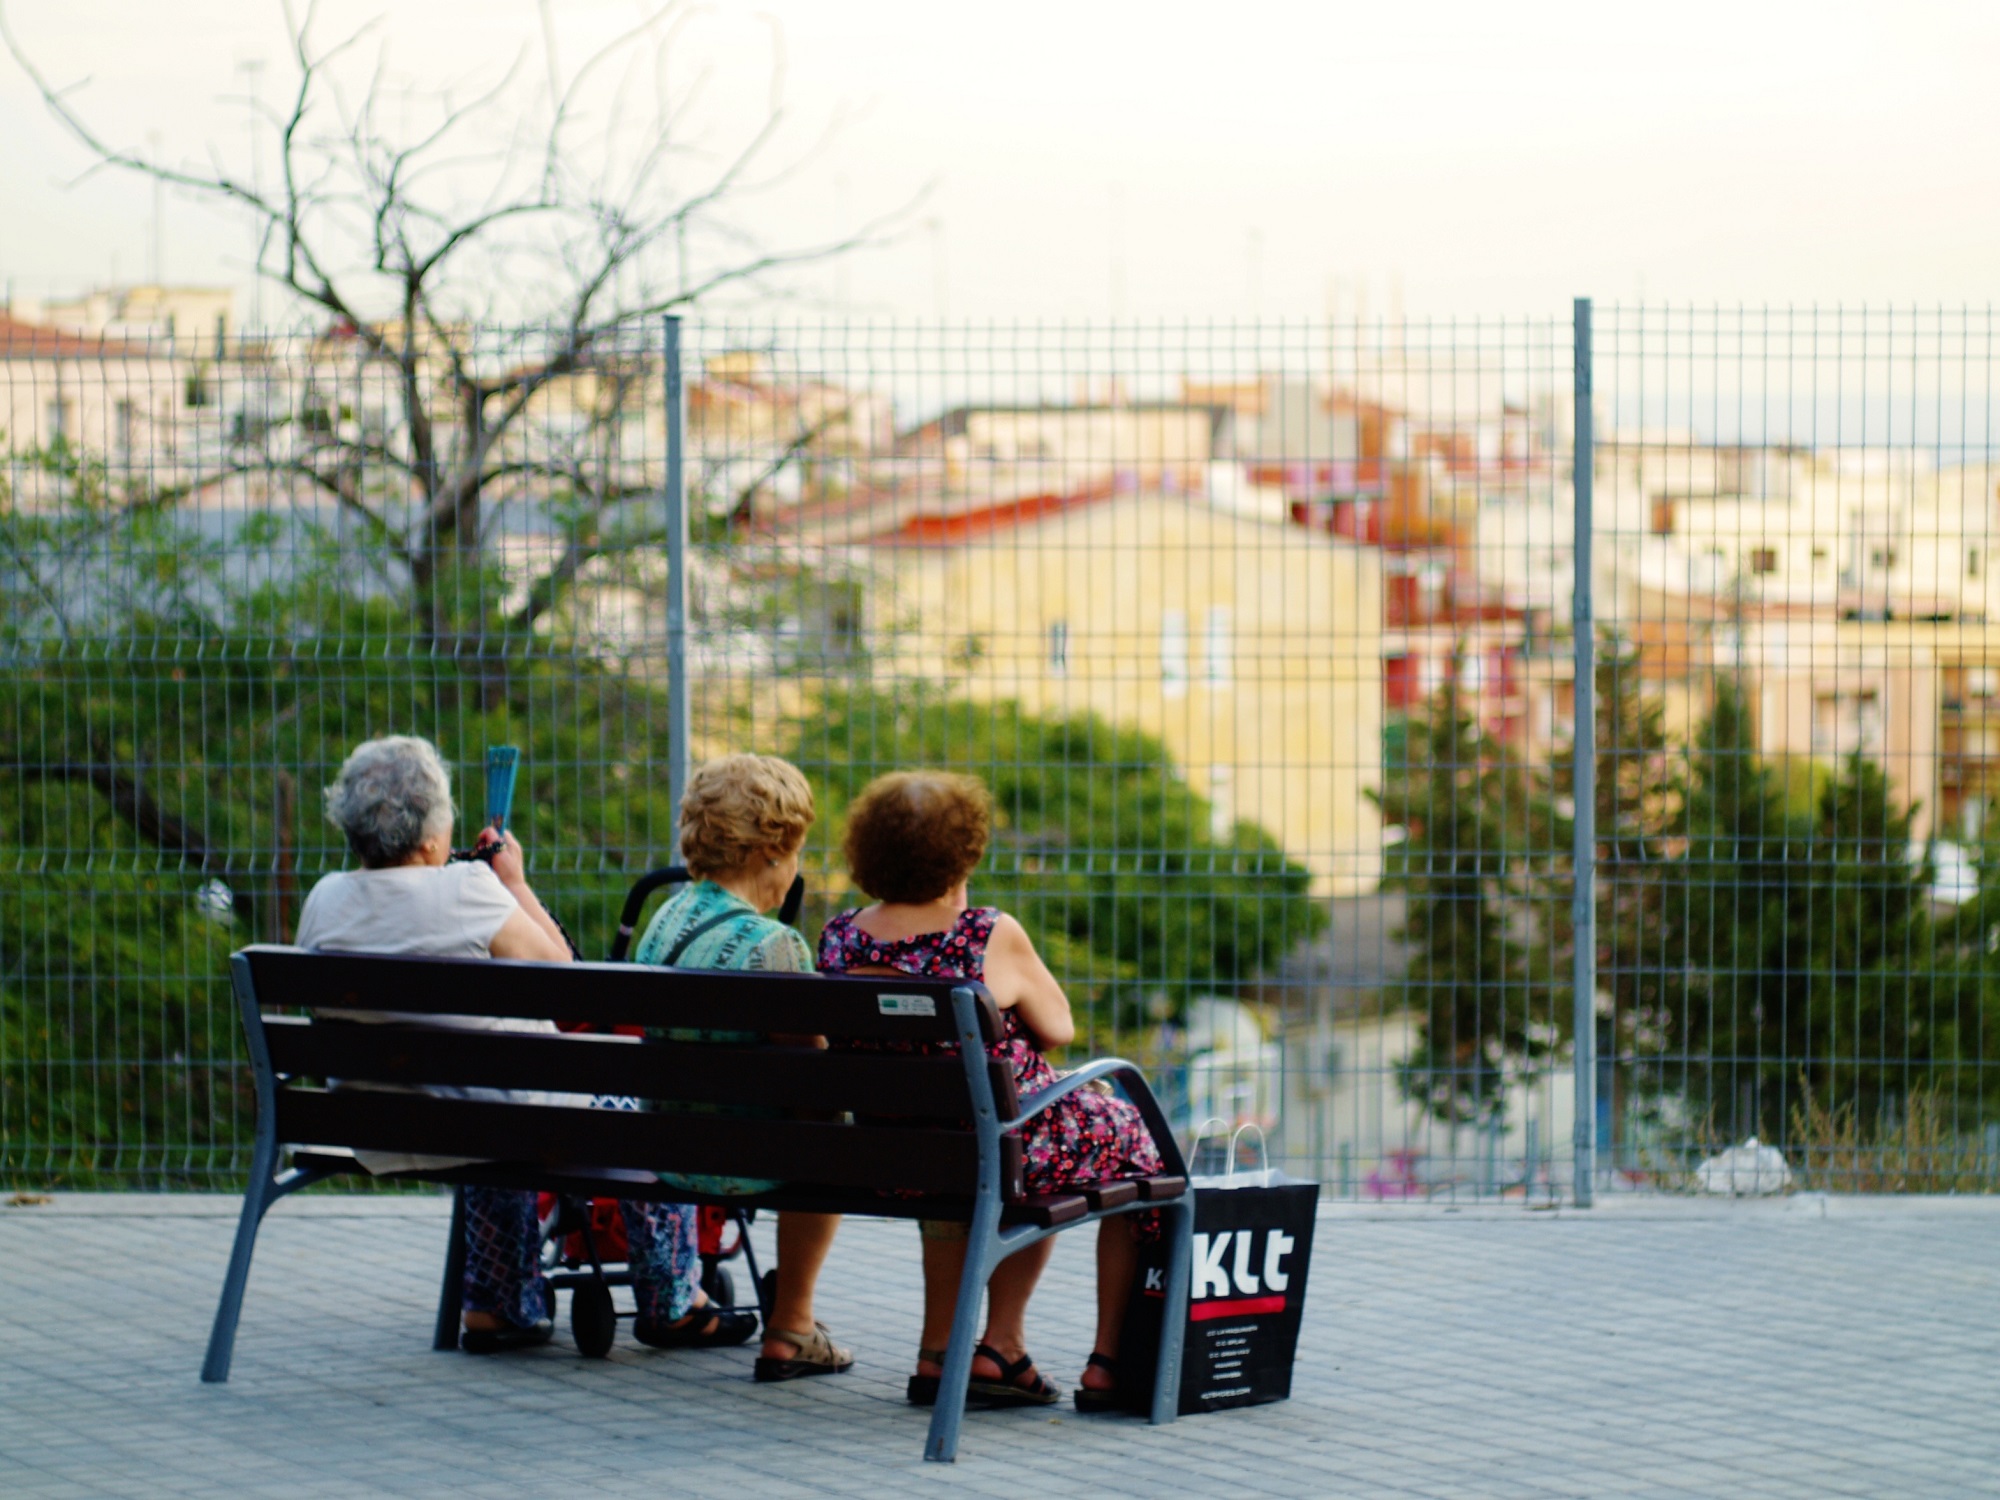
(1253, 1235)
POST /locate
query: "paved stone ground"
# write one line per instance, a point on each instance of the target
(1802, 1348)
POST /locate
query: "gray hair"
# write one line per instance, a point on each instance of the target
(391, 794)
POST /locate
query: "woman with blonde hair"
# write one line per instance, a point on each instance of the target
(743, 821)
(913, 839)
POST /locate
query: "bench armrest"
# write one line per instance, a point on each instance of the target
(1136, 1089)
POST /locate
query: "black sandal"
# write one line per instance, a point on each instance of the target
(1100, 1401)
(1007, 1391)
(717, 1331)
(506, 1339)
(923, 1389)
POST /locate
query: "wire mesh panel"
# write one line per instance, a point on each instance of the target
(1260, 635)
(1798, 739)
(1257, 635)
(225, 563)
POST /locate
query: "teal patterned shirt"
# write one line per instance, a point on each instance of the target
(748, 940)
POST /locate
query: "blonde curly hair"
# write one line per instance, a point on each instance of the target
(739, 806)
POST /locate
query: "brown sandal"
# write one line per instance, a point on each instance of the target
(817, 1354)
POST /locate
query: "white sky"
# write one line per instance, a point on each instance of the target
(1101, 157)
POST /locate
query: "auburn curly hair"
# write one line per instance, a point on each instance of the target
(739, 806)
(913, 835)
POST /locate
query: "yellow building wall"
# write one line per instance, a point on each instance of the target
(1283, 728)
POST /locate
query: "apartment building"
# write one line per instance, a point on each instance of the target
(1253, 651)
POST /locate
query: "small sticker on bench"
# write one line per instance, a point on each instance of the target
(906, 1005)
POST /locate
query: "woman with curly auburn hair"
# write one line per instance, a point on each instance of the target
(913, 840)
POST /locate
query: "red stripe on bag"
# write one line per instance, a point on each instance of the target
(1241, 1307)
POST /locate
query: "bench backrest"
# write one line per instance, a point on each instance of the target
(912, 1113)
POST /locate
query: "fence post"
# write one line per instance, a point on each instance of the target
(679, 715)
(1583, 858)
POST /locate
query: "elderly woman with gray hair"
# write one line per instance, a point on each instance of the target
(392, 800)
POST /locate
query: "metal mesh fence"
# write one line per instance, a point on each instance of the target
(1261, 635)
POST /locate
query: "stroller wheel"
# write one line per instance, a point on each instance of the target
(593, 1321)
(767, 1290)
(720, 1286)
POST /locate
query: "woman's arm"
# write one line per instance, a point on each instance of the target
(512, 868)
(521, 936)
(1025, 983)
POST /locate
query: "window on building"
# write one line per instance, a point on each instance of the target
(58, 419)
(1763, 559)
(1972, 562)
(1059, 648)
(1846, 722)
(1174, 654)
(128, 423)
(1219, 646)
(1881, 557)
(1221, 802)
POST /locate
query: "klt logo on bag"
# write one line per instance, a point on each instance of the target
(1231, 1280)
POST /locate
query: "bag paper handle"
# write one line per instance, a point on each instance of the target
(1201, 1134)
(1263, 1147)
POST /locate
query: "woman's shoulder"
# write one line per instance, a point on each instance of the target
(837, 935)
(984, 921)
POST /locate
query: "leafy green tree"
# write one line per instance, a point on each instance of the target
(1812, 958)
(1480, 831)
(1867, 1029)
(1965, 1044)
(1100, 848)
(1639, 799)
(1733, 905)
(159, 806)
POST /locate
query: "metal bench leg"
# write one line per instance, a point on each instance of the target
(257, 1197)
(1177, 1223)
(941, 1446)
(451, 1297)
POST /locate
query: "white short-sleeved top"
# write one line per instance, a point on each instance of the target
(437, 911)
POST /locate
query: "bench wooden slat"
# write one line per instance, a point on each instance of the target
(596, 1183)
(1162, 1188)
(690, 1072)
(608, 995)
(861, 1156)
(1103, 1195)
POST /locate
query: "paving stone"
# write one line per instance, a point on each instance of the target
(1669, 1349)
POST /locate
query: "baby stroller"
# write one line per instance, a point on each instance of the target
(583, 1240)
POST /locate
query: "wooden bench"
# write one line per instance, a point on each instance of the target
(877, 1132)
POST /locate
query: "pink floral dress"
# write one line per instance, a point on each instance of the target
(1087, 1137)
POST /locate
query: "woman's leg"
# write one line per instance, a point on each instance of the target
(803, 1243)
(503, 1260)
(1007, 1295)
(665, 1256)
(1117, 1263)
(944, 1265)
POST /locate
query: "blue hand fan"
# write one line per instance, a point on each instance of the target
(503, 763)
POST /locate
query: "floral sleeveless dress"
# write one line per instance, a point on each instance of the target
(1087, 1137)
